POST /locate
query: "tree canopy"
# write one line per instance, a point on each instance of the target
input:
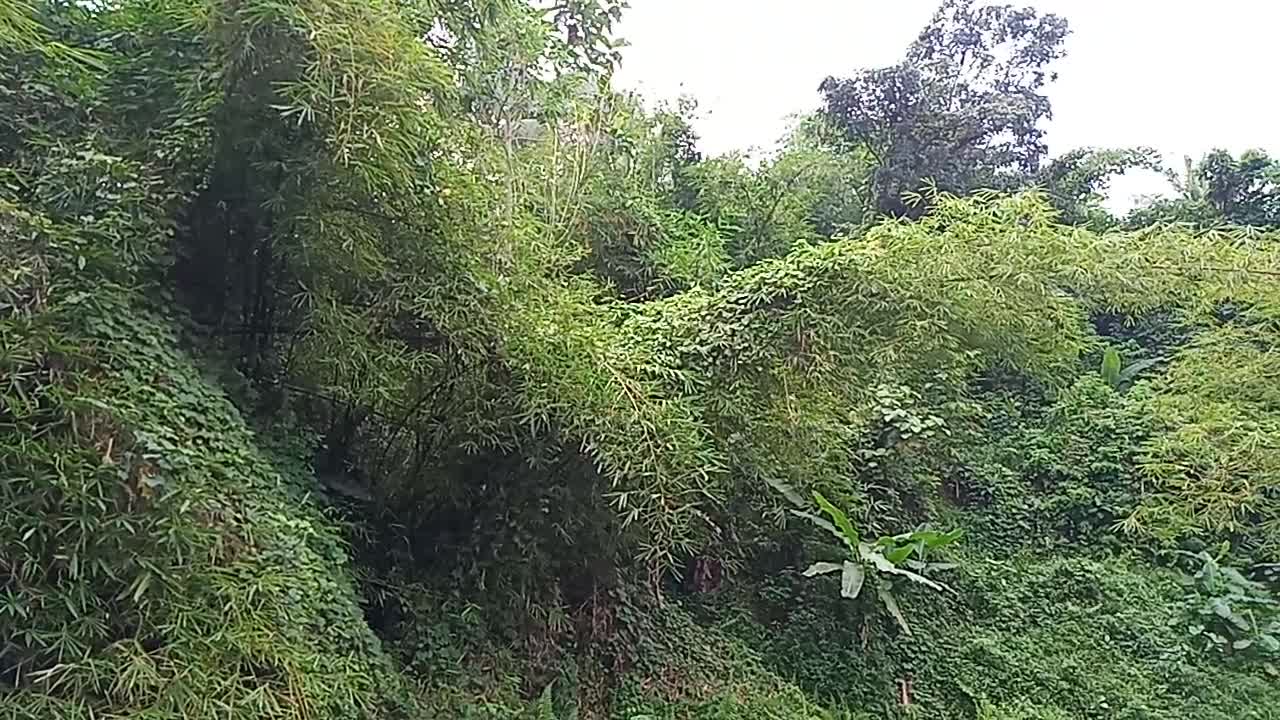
(963, 109)
(1220, 190)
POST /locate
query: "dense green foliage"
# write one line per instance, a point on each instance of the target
(1220, 190)
(962, 109)
(366, 359)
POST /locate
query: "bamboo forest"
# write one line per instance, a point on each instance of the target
(387, 360)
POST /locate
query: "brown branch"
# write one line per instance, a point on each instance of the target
(409, 414)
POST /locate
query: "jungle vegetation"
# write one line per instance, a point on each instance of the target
(378, 359)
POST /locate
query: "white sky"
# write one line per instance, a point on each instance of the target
(1183, 76)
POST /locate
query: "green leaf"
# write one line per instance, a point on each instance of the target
(821, 568)
(891, 604)
(1219, 607)
(899, 554)
(851, 580)
(882, 563)
(141, 587)
(839, 518)
(1131, 370)
(1111, 367)
(820, 522)
(786, 490)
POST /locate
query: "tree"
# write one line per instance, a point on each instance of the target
(963, 107)
(1220, 190)
(1245, 191)
(1077, 181)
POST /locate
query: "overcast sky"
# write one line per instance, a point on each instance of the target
(1183, 76)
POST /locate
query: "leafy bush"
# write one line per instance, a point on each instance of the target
(1229, 613)
(155, 562)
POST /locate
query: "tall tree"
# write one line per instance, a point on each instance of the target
(1076, 182)
(962, 109)
(1246, 191)
(1221, 190)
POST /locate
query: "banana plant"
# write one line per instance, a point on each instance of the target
(891, 557)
